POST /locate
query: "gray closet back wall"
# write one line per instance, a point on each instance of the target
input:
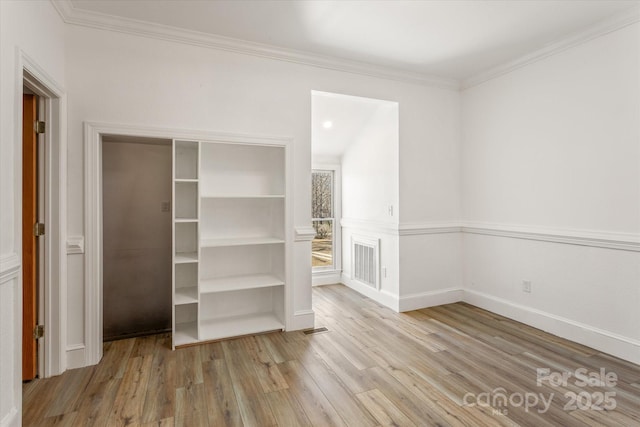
(136, 237)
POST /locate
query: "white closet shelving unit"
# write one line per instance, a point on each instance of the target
(229, 240)
(186, 215)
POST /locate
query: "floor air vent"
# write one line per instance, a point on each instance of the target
(315, 331)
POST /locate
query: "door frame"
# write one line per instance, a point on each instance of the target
(93, 133)
(52, 307)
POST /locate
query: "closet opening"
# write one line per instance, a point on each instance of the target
(136, 236)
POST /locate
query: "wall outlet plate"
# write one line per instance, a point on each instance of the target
(526, 286)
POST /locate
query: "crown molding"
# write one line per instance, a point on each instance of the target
(616, 22)
(75, 16)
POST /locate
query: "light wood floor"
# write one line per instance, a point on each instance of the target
(372, 367)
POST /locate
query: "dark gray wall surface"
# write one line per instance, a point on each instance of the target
(136, 238)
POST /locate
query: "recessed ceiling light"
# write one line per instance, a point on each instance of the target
(328, 124)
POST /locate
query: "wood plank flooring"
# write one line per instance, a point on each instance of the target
(452, 365)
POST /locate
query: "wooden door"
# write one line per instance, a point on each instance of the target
(29, 240)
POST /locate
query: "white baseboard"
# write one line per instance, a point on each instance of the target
(608, 342)
(326, 278)
(76, 356)
(380, 296)
(303, 319)
(430, 299)
(599, 339)
(12, 418)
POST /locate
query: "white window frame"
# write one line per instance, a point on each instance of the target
(331, 274)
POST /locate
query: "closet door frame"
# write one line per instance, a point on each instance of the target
(93, 133)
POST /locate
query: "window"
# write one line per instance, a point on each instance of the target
(323, 212)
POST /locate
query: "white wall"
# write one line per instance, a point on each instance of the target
(430, 268)
(430, 241)
(369, 190)
(370, 169)
(119, 78)
(554, 148)
(35, 29)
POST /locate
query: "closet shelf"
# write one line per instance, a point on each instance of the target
(242, 196)
(186, 257)
(212, 329)
(178, 220)
(237, 283)
(242, 241)
(186, 295)
(185, 333)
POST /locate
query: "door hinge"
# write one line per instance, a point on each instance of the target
(38, 332)
(40, 126)
(38, 229)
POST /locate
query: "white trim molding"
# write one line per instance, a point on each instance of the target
(616, 22)
(303, 319)
(598, 239)
(369, 225)
(382, 296)
(9, 267)
(76, 356)
(325, 277)
(304, 233)
(602, 340)
(75, 245)
(418, 228)
(609, 342)
(91, 19)
(75, 16)
(430, 299)
(11, 419)
(36, 78)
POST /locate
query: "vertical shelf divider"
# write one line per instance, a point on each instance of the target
(185, 241)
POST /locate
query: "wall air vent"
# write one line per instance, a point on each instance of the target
(365, 261)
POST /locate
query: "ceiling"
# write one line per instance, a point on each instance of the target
(454, 40)
(348, 115)
(451, 39)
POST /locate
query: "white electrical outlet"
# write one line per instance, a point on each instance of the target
(526, 286)
(384, 271)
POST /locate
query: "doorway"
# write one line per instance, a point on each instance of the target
(355, 190)
(49, 265)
